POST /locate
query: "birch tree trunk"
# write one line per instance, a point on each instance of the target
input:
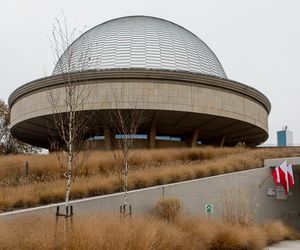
(70, 162)
(124, 123)
(70, 123)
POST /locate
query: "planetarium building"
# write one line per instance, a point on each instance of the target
(172, 75)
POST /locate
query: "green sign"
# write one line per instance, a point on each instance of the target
(209, 208)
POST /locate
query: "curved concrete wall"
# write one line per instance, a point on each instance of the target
(149, 90)
(150, 95)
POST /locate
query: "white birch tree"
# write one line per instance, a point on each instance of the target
(125, 123)
(67, 103)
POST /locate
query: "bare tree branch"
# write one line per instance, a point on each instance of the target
(67, 105)
(124, 127)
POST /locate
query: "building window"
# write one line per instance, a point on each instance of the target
(136, 136)
(168, 138)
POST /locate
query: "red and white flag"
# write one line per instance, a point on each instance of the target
(290, 176)
(283, 175)
(276, 177)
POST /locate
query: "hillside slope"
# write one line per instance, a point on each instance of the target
(45, 182)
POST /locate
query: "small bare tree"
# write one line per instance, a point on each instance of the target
(66, 103)
(236, 207)
(124, 125)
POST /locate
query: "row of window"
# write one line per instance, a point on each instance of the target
(137, 136)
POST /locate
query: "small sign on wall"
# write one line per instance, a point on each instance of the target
(209, 208)
(280, 193)
(271, 192)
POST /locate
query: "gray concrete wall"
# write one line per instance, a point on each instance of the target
(184, 103)
(246, 189)
(173, 96)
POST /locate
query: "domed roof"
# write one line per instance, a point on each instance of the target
(139, 42)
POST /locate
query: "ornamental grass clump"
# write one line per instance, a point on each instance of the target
(277, 231)
(140, 232)
(168, 208)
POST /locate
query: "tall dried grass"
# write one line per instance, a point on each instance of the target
(139, 232)
(52, 190)
(277, 231)
(101, 162)
(235, 207)
(168, 208)
(47, 167)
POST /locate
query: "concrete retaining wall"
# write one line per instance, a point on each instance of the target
(245, 189)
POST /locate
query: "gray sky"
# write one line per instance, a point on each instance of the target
(256, 41)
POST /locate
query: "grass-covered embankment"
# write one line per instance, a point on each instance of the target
(45, 183)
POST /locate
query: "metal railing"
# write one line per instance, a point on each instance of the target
(274, 145)
(20, 169)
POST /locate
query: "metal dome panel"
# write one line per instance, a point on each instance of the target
(139, 42)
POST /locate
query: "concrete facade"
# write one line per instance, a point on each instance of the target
(202, 105)
(242, 191)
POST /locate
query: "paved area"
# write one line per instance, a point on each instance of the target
(289, 245)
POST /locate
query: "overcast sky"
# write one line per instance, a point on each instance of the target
(256, 41)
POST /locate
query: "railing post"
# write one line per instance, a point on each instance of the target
(26, 168)
(125, 210)
(69, 212)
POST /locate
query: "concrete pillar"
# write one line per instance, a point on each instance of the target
(107, 139)
(152, 132)
(193, 138)
(222, 141)
(152, 136)
(54, 145)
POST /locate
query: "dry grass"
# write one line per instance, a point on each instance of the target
(101, 162)
(139, 232)
(235, 206)
(149, 168)
(168, 208)
(277, 231)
